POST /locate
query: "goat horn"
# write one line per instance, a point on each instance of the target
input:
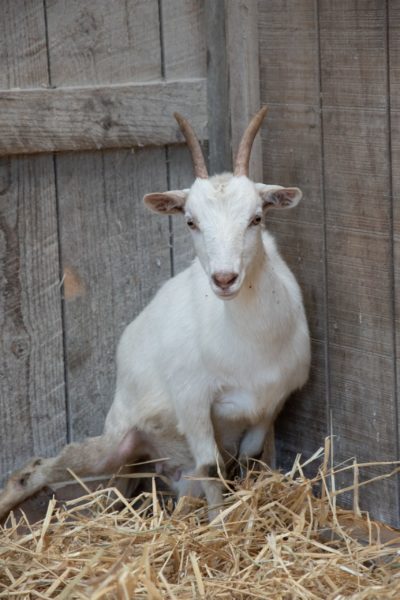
(243, 154)
(199, 165)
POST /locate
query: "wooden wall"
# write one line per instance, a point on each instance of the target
(79, 256)
(87, 91)
(329, 72)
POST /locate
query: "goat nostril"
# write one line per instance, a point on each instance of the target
(224, 279)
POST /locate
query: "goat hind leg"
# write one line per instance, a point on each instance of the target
(252, 445)
(95, 456)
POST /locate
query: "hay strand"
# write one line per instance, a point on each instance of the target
(274, 538)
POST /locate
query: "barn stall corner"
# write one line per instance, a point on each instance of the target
(87, 92)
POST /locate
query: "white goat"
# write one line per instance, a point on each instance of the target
(203, 371)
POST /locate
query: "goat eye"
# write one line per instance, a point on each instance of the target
(256, 220)
(191, 224)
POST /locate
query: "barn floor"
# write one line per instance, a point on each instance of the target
(276, 538)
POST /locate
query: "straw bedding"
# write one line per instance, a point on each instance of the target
(278, 536)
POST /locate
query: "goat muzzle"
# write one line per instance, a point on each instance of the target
(224, 280)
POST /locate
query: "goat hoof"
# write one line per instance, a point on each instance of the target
(212, 471)
(213, 514)
(21, 478)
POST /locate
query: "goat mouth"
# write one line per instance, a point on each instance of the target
(227, 294)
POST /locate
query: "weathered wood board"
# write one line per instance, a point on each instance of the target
(184, 55)
(358, 239)
(291, 145)
(183, 38)
(80, 257)
(393, 100)
(353, 47)
(241, 23)
(32, 399)
(32, 403)
(325, 73)
(114, 257)
(219, 116)
(103, 42)
(117, 252)
(95, 117)
(82, 76)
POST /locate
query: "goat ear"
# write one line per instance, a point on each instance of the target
(277, 197)
(166, 203)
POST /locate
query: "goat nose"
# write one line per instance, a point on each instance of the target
(224, 279)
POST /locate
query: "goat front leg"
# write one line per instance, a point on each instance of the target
(198, 429)
(95, 456)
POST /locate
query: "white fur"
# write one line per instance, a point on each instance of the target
(203, 371)
(194, 369)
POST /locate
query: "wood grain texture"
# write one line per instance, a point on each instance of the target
(32, 402)
(291, 140)
(358, 226)
(103, 42)
(353, 53)
(32, 395)
(393, 19)
(288, 51)
(117, 255)
(184, 55)
(352, 151)
(23, 52)
(394, 74)
(358, 229)
(396, 245)
(363, 424)
(184, 40)
(110, 116)
(219, 117)
(244, 79)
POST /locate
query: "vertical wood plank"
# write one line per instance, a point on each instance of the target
(244, 78)
(32, 400)
(289, 52)
(23, 52)
(396, 249)
(353, 40)
(358, 229)
(219, 116)
(233, 80)
(358, 223)
(114, 258)
(114, 255)
(32, 403)
(394, 73)
(184, 45)
(102, 41)
(291, 141)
